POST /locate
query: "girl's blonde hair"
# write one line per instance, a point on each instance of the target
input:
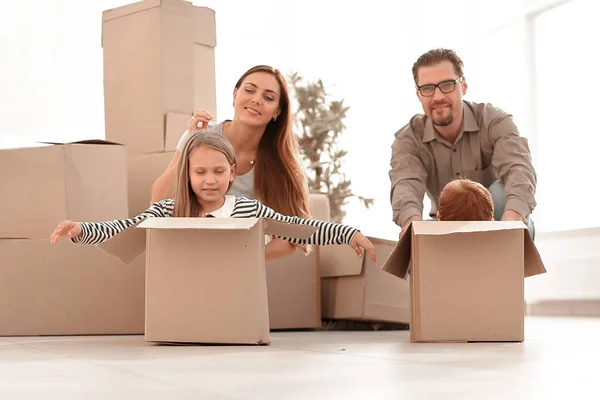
(186, 203)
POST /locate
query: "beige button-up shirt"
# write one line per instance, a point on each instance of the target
(488, 148)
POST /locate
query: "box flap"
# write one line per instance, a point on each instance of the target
(118, 12)
(284, 229)
(199, 223)
(450, 227)
(88, 141)
(399, 259)
(127, 245)
(533, 261)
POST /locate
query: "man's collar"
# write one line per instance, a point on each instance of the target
(469, 125)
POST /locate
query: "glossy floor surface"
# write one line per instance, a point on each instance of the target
(559, 358)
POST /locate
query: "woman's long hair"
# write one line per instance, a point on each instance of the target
(279, 179)
(186, 202)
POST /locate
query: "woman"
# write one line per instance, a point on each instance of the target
(269, 167)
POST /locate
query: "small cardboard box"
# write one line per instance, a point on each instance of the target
(46, 184)
(355, 288)
(158, 59)
(467, 279)
(67, 289)
(205, 277)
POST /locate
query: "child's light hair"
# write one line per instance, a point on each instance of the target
(465, 200)
(186, 203)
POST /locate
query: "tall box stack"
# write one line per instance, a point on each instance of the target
(159, 66)
(64, 289)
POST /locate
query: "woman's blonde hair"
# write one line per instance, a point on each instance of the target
(465, 200)
(186, 203)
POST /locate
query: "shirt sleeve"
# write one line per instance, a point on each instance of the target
(408, 177)
(511, 159)
(96, 233)
(329, 233)
(182, 141)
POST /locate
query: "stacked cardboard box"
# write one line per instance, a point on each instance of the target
(159, 66)
(50, 289)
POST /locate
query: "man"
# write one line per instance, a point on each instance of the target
(458, 139)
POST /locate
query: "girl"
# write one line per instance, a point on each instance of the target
(268, 158)
(205, 176)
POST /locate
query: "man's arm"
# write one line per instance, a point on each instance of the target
(511, 159)
(408, 177)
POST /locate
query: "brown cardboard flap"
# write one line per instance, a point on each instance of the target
(118, 12)
(88, 141)
(450, 227)
(127, 245)
(339, 261)
(199, 223)
(533, 261)
(284, 229)
(399, 259)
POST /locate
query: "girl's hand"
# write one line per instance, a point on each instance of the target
(67, 229)
(359, 240)
(198, 122)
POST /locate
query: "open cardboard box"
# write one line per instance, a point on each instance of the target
(205, 277)
(466, 279)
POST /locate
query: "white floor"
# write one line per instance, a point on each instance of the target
(559, 358)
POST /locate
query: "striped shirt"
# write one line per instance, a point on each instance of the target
(96, 233)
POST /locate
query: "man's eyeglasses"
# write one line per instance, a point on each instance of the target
(445, 87)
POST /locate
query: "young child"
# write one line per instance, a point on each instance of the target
(204, 177)
(465, 200)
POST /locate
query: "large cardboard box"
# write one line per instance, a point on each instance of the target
(467, 279)
(355, 288)
(158, 58)
(46, 184)
(68, 289)
(205, 277)
(294, 282)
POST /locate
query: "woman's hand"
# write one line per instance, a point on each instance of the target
(67, 229)
(199, 121)
(359, 240)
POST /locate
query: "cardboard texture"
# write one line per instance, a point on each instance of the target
(466, 282)
(49, 183)
(158, 59)
(205, 277)
(142, 171)
(294, 282)
(68, 289)
(355, 288)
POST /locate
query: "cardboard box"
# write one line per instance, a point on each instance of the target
(355, 288)
(142, 171)
(68, 289)
(466, 279)
(294, 282)
(44, 185)
(205, 277)
(158, 58)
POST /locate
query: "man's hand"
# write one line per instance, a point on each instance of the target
(512, 215)
(407, 224)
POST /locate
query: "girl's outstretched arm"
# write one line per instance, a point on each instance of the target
(96, 233)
